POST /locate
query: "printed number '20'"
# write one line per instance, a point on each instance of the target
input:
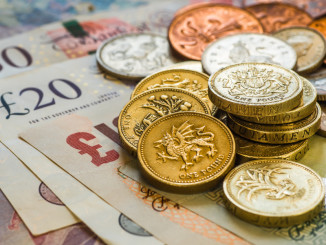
(6, 57)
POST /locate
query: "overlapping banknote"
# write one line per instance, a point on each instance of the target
(61, 160)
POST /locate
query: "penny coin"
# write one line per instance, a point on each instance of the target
(274, 193)
(309, 45)
(248, 47)
(322, 129)
(277, 134)
(186, 152)
(134, 55)
(192, 81)
(255, 89)
(147, 107)
(188, 65)
(191, 31)
(248, 150)
(309, 99)
(275, 16)
(318, 80)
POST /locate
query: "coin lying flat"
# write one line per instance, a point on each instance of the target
(248, 47)
(147, 107)
(255, 89)
(134, 55)
(277, 134)
(274, 16)
(274, 193)
(309, 45)
(192, 81)
(319, 24)
(322, 130)
(318, 80)
(186, 152)
(309, 99)
(190, 32)
(248, 150)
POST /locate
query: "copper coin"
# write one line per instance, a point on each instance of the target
(320, 25)
(322, 129)
(275, 16)
(191, 31)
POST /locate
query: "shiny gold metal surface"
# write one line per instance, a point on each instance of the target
(147, 107)
(309, 100)
(274, 193)
(192, 81)
(309, 44)
(277, 134)
(248, 150)
(255, 89)
(186, 152)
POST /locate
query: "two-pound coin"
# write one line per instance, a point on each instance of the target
(277, 134)
(309, 45)
(248, 150)
(309, 99)
(274, 16)
(248, 47)
(134, 55)
(147, 107)
(255, 89)
(186, 152)
(274, 193)
(191, 31)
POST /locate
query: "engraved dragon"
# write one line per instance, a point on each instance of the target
(182, 141)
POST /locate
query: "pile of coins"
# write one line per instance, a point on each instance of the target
(251, 77)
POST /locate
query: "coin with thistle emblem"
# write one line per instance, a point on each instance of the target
(147, 107)
(186, 152)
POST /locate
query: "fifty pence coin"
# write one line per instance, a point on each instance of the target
(134, 55)
(309, 45)
(274, 193)
(151, 105)
(248, 47)
(186, 152)
(255, 89)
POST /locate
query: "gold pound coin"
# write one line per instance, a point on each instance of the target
(186, 152)
(255, 89)
(248, 150)
(309, 45)
(277, 134)
(147, 107)
(309, 99)
(274, 193)
(192, 81)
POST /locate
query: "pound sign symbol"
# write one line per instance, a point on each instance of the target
(74, 141)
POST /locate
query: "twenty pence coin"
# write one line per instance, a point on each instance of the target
(134, 55)
(191, 31)
(248, 47)
(277, 134)
(309, 99)
(192, 81)
(186, 152)
(274, 193)
(147, 107)
(309, 45)
(255, 89)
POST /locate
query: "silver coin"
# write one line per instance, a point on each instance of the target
(134, 55)
(129, 226)
(248, 47)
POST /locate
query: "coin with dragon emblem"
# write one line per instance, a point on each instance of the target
(186, 152)
(274, 193)
(307, 107)
(147, 107)
(134, 55)
(189, 80)
(255, 89)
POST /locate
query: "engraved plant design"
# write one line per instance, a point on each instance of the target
(182, 141)
(257, 83)
(261, 179)
(163, 106)
(192, 86)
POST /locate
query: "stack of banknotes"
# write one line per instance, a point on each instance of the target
(66, 177)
